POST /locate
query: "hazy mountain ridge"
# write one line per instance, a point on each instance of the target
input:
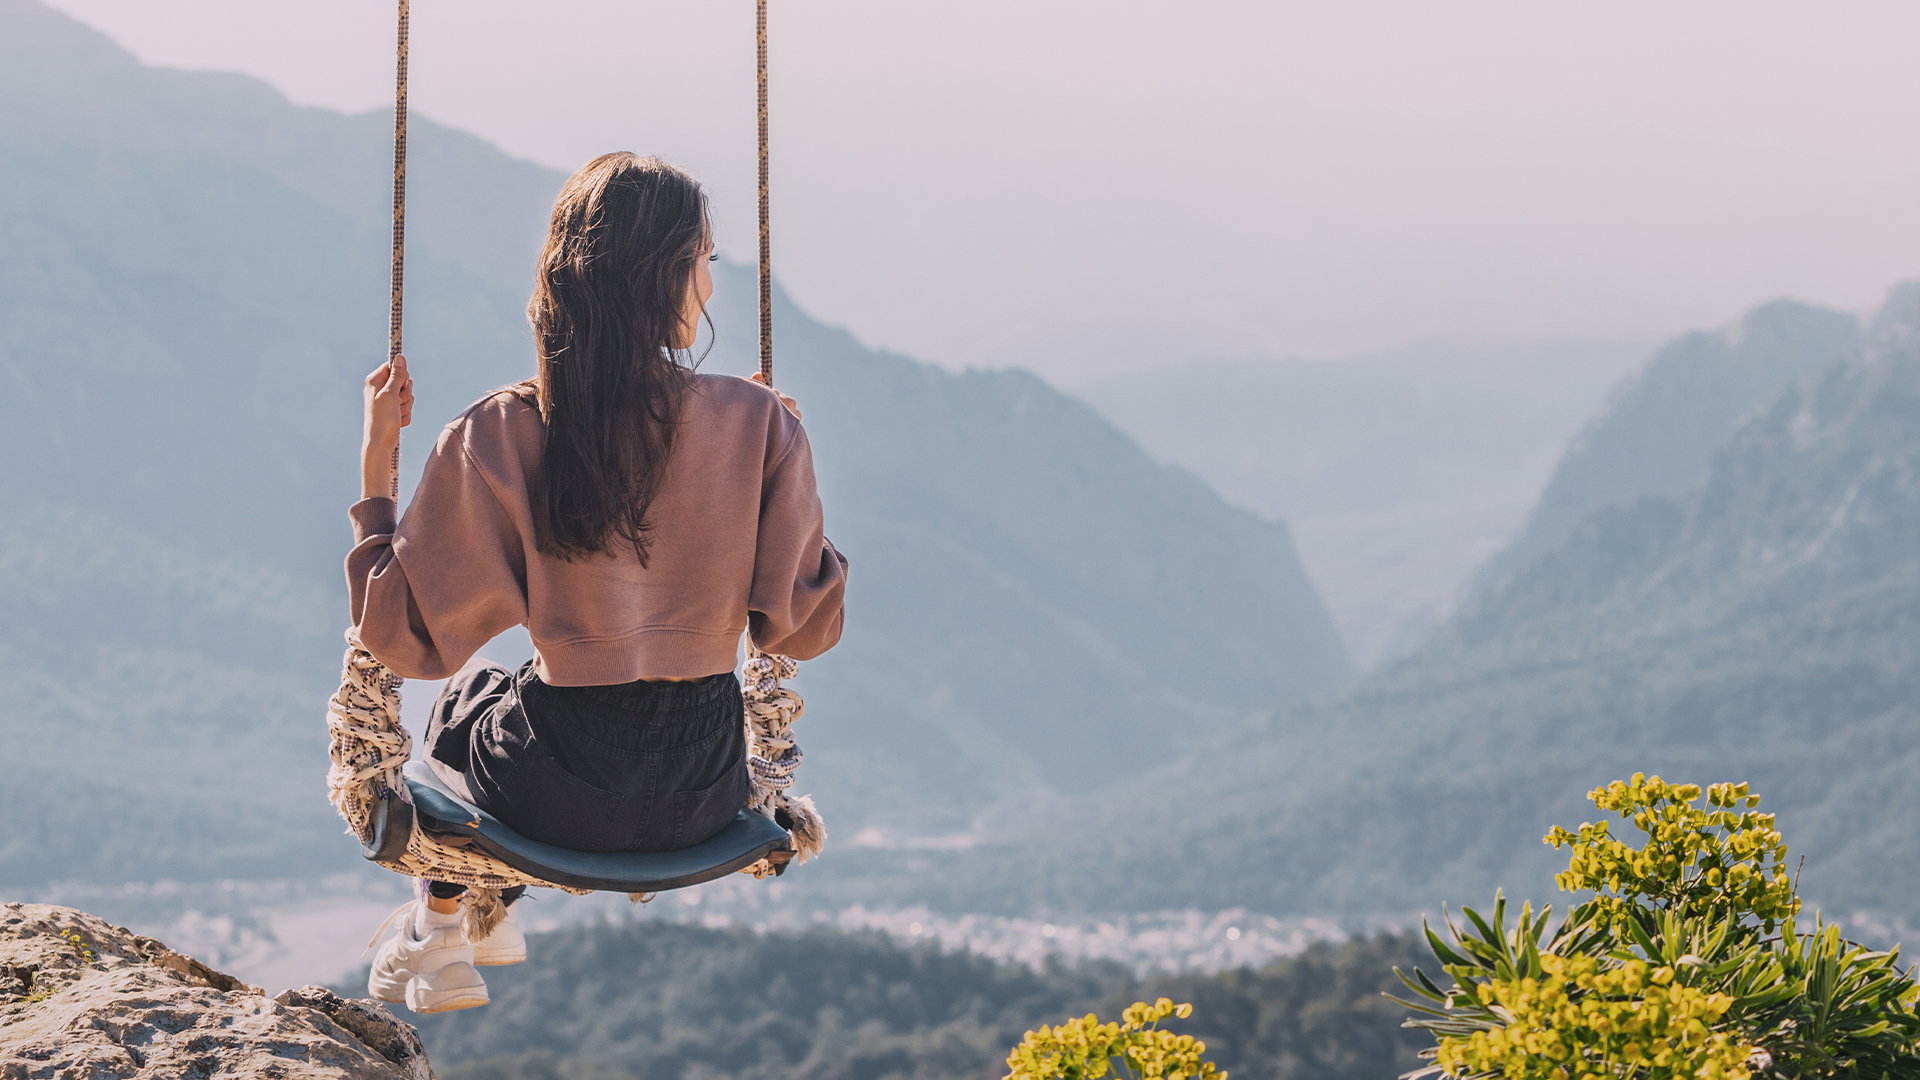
(173, 234)
(1814, 494)
(1767, 628)
(194, 283)
(1659, 431)
(185, 308)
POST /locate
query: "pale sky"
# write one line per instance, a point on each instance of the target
(1079, 186)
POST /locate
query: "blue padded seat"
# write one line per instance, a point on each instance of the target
(750, 838)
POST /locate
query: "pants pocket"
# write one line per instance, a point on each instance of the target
(464, 701)
(702, 812)
(545, 802)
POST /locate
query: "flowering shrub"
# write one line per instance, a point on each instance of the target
(1686, 963)
(1609, 1022)
(1086, 1049)
(1699, 861)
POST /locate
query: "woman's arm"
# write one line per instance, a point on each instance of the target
(426, 594)
(799, 580)
(388, 408)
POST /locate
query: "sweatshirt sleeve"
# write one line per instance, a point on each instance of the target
(429, 591)
(799, 580)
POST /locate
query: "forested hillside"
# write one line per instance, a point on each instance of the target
(192, 284)
(668, 1001)
(1764, 627)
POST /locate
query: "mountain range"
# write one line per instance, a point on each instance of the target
(192, 284)
(1759, 622)
(1721, 581)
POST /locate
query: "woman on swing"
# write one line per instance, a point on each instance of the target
(636, 517)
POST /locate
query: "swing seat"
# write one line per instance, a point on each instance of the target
(452, 820)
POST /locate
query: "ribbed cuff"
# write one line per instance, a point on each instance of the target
(373, 517)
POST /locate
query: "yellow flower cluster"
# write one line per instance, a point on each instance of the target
(1701, 859)
(1582, 1022)
(1085, 1048)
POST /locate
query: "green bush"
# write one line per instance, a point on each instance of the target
(1686, 962)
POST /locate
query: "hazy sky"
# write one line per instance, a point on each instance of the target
(1077, 186)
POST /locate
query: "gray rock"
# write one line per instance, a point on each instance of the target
(371, 1023)
(81, 999)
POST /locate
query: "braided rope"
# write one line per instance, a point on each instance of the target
(773, 755)
(399, 212)
(766, 247)
(368, 746)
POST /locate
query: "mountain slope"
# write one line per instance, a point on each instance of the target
(193, 283)
(191, 275)
(1659, 432)
(1766, 628)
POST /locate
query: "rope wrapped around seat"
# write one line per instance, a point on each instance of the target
(773, 755)
(368, 746)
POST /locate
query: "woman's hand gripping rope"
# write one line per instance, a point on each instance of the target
(388, 401)
(792, 405)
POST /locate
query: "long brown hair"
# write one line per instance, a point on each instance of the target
(606, 311)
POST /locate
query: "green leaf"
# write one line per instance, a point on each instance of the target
(1424, 987)
(1447, 956)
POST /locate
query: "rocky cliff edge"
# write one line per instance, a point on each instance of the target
(82, 999)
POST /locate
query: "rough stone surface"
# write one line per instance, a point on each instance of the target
(81, 999)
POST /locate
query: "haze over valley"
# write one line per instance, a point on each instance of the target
(1400, 473)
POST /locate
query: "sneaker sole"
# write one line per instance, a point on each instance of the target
(499, 959)
(439, 1001)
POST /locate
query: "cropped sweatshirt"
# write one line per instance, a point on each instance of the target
(736, 544)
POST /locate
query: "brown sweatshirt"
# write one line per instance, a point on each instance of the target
(736, 544)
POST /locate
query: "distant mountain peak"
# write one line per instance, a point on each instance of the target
(1817, 491)
(31, 26)
(1898, 316)
(1783, 324)
(1662, 426)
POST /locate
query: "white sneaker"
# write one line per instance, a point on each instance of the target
(430, 974)
(506, 945)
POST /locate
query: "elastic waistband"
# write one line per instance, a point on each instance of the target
(675, 694)
(638, 701)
